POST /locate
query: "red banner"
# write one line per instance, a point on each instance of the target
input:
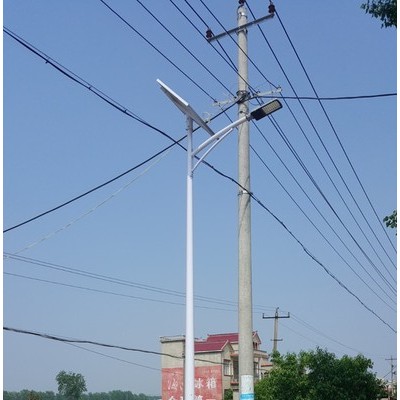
(207, 383)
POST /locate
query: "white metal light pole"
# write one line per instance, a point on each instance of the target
(193, 160)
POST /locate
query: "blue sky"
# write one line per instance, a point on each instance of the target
(61, 140)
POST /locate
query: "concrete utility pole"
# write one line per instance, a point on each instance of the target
(246, 351)
(390, 393)
(276, 318)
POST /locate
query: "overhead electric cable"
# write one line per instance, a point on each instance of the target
(358, 97)
(297, 157)
(113, 280)
(93, 189)
(271, 96)
(82, 341)
(315, 130)
(340, 143)
(327, 173)
(183, 45)
(69, 74)
(318, 262)
(89, 289)
(226, 177)
(319, 231)
(91, 342)
(155, 289)
(228, 59)
(300, 321)
(155, 48)
(93, 209)
(318, 332)
(109, 101)
(240, 49)
(344, 202)
(112, 357)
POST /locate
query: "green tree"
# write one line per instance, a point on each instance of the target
(71, 385)
(391, 220)
(228, 394)
(319, 375)
(34, 395)
(385, 10)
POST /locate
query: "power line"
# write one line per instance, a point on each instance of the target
(113, 358)
(376, 269)
(330, 178)
(341, 145)
(144, 287)
(155, 48)
(93, 209)
(318, 262)
(91, 342)
(93, 189)
(228, 59)
(109, 101)
(358, 97)
(300, 321)
(318, 332)
(110, 279)
(238, 46)
(125, 111)
(89, 289)
(83, 341)
(180, 42)
(318, 230)
(147, 287)
(298, 158)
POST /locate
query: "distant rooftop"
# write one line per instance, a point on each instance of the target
(213, 343)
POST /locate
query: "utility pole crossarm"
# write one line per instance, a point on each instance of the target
(210, 37)
(245, 350)
(276, 317)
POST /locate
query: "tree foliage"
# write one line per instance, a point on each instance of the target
(391, 220)
(319, 375)
(385, 10)
(49, 395)
(71, 385)
(228, 394)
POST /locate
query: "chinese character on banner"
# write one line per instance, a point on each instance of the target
(207, 383)
(172, 384)
(198, 383)
(211, 383)
(210, 379)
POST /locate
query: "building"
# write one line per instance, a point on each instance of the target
(216, 365)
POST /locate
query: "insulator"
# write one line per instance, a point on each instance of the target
(271, 8)
(209, 34)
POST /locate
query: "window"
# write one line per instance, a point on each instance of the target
(235, 370)
(256, 370)
(227, 367)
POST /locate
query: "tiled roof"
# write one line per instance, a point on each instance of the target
(217, 342)
(231, 337)
(223, 337)
(205, 346)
